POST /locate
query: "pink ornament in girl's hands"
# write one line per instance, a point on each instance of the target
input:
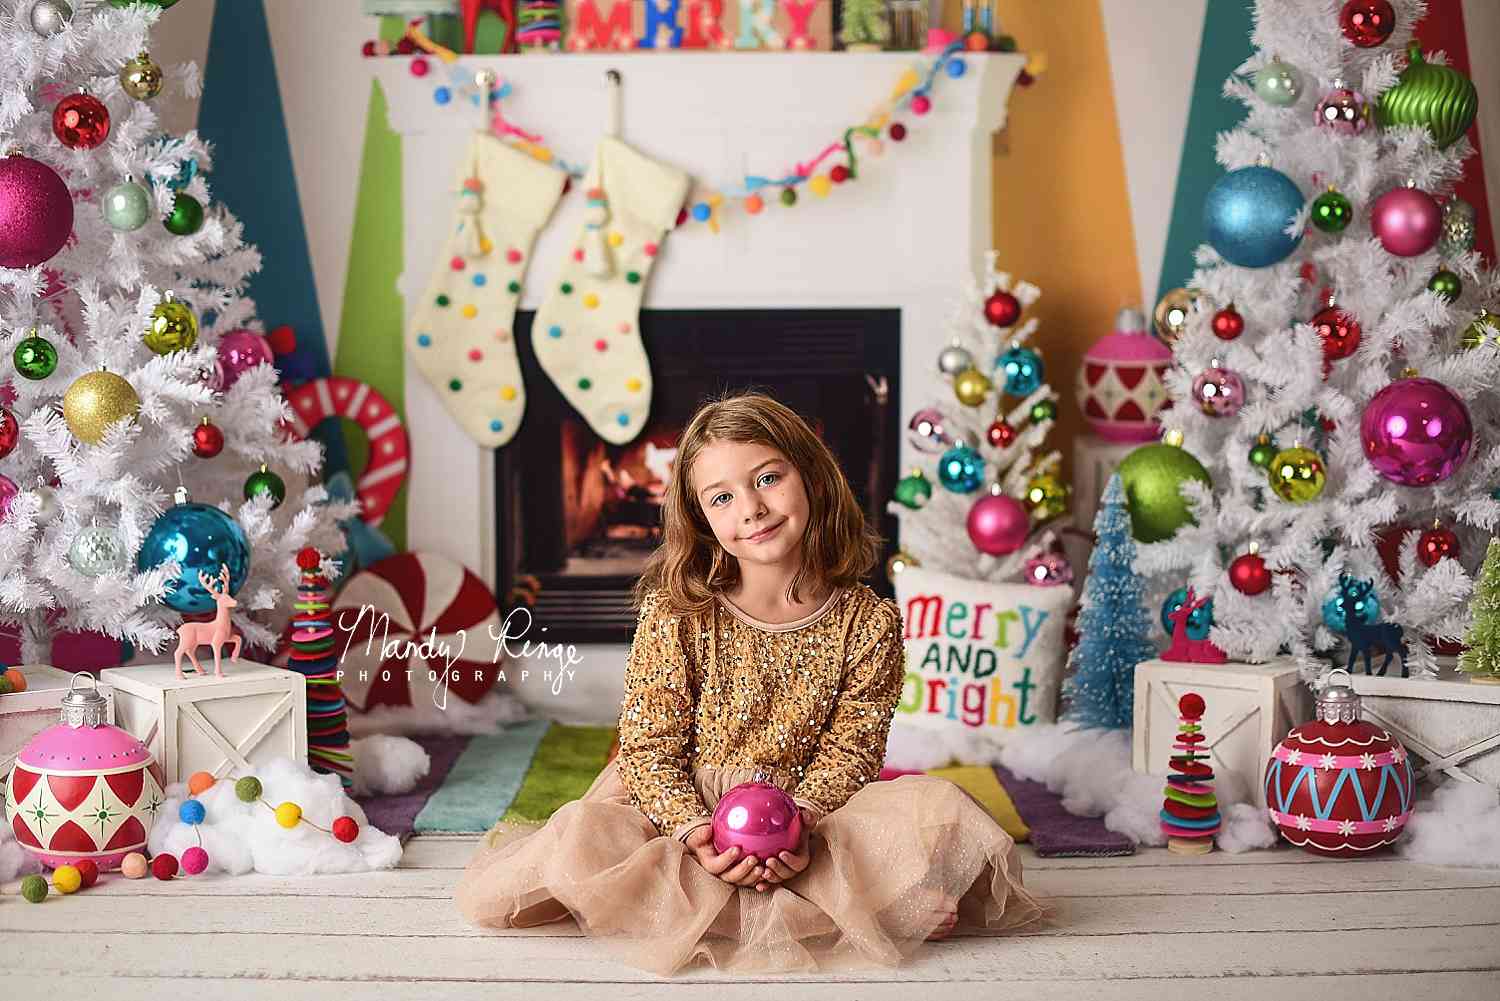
(758, 818)
(240, 351)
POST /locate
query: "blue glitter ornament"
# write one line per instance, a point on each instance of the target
(1198, 622)
(1366, 609)
(1246, 215)
(200, 539)
(1021, 368)
(961, 469)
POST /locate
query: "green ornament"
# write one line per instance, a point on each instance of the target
(1446, 284)
(186, 217)
(173, 327)
(788, 197)
(1484, 327)
(1438, 97)
(264, 483)
(1043, 410)
(247, 789)
(34, 888)
(35, 358)
(1278, 83)
(1297, 474)
(1331, 211)
(1263, 451)
(1152, 476)
(913, 491)
(126, 206)
(163, 4)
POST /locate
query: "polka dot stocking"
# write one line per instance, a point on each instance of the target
(460, 334)
(585, 335)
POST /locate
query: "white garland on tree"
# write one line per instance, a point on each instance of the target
(1280, 359)
(936, 535)
(93, 301)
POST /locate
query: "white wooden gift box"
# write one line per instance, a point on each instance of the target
(23, 715)
(1248, 708)
(201, 723)
(1449, 723)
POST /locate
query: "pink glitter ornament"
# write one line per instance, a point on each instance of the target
(1416, 432)
(758, 818)
(998, 524)
(1407, 221)
(1219, 392)
(36, 212)
(240, 351)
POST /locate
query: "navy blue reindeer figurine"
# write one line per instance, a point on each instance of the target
(1366, 637)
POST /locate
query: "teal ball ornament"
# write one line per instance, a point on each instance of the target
(961, 469)
(1152, 476)
(200, 539)
(126, 206)
(1199, 620)
(1365, 610)
(1246, 215)
(1021, 369)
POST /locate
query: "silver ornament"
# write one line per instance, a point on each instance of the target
(50, 508)
(48, 17)
(1457, 236)
(1278, 83)
(97, 551)
(954, 360)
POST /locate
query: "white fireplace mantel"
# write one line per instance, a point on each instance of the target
(905, 235)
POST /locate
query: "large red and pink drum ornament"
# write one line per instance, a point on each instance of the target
(1339, 785)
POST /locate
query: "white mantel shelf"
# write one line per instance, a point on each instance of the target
(904, 235)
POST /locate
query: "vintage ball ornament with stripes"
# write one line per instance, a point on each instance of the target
(1339, 785)
(1120, 384)
(83, 789)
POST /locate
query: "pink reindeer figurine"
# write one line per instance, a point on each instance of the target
(1191, 650)
(192, 635)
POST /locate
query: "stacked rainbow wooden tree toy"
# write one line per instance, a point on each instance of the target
(1190, 814)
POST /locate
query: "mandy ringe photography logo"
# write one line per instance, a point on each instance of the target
(556, 660)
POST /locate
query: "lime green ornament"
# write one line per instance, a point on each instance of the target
(1043, 410)
(1153, 476)
(1331, 211)
(1482, 328)
(247, 789)
(173, 327)
(1438, 97)
(913, 490)
(186, 217)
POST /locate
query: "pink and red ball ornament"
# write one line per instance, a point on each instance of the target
(1249, 574)
(1436, 544)
(926, 432)
(1219, 391)
(1407, 221)
(1227, 323)
(36, 212)
(1344, 111)
(1048, 570)
(1367, 23)
(998, 524)
(1002, 309)
(240, 351)
(1339, 785)
(80, 121)
(1416, 432)
(1120, 384)
(759, 819)
(83, 788)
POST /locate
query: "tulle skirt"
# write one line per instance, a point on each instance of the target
(884, 869)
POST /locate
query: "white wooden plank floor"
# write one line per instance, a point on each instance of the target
(1264, 925)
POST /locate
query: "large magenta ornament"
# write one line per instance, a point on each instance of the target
(1416, 432)
(1407, 221)
(998, 524)
(240, 351)
(36, 212)
(758, 818)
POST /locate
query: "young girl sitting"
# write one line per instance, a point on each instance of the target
(758, 651)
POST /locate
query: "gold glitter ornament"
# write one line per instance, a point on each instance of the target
(95, 401)
(141, 77)
(1046, 496)
(173, 327)
(971, 386)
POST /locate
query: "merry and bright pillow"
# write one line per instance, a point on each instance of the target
(984, 662)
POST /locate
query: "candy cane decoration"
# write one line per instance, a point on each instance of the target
(316, 401)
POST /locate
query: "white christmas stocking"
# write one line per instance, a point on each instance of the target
(460, 334)
(586, 334)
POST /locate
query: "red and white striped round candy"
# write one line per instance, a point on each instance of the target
(336, 396)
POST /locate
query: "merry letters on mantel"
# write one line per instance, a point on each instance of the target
(794, 25)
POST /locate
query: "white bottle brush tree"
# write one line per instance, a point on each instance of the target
(125, 327)
(984, 497)
(1336, 376)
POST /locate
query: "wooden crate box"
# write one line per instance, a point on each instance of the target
(23, 715)
(1249, 708)
(1448, 723)
(216, 725)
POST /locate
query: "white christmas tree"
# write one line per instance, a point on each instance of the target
(105, 423)
(984, 443)
(1337, 268)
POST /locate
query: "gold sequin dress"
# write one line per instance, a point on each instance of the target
(711, 699)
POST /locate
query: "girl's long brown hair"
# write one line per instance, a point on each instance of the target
(690, 565)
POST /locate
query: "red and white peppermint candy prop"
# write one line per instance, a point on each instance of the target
(316, 401)
(415, 629)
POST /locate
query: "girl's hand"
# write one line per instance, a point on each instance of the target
(788, 864)
(727, 865)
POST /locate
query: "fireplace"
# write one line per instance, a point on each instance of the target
(576, 517)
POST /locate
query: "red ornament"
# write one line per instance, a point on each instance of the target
(1435, 544)
(898, 132)
(368, 49)
(1339, 332)
(10, 432)
(1002, 309)
(839, 174)
(346, 829)
(164, 866)
(1000, 434)
(1338, 785)
(208, 440)
(921, 104)
(283, 340)
(1367, 23)
(682, 216)
(80, 121)
(1249, 575)
(1228, 323)
(308, 558)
